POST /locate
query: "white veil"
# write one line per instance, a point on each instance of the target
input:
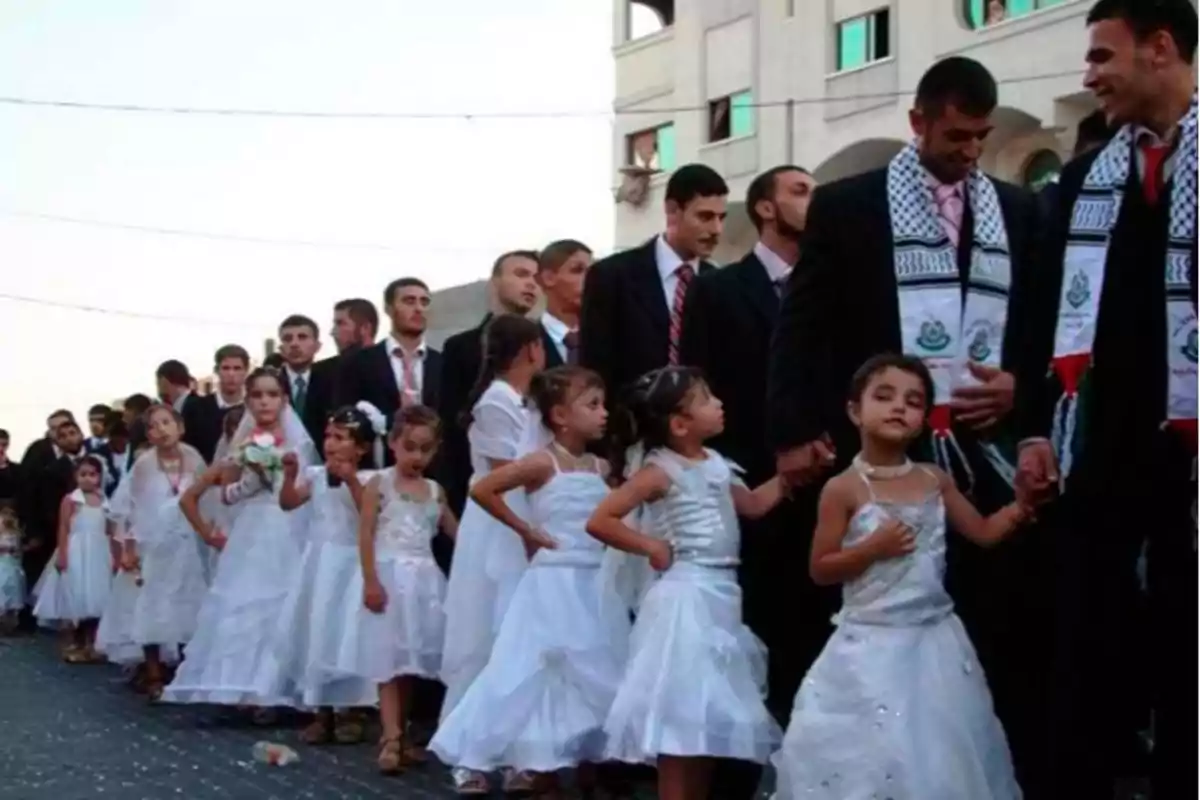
(146, 508)
(295, 438)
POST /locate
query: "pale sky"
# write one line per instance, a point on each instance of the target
(446, 194)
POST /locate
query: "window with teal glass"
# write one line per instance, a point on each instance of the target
(852, 43)
(741, 116)
(981, 13)
(665, 139)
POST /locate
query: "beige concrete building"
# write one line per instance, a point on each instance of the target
(836, 78)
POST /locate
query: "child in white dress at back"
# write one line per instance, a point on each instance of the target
(694, 684)
(540, 703)
(396, 633)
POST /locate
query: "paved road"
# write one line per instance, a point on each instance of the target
(78, 733)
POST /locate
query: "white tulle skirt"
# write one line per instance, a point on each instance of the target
(489, 560)
(173, 588)
(80, 593)
(541, 701)
(696, 675)
(406, 639)
(12, 584)
(232, 654)
(114, 639)
(312, 631)
(899, 712)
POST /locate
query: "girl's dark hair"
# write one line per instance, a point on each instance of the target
(652, 400)
(503, 339)
(231, 420)
(361, 430)
(884, 361)
(89, 461)
(175, 415)
(553, 387)
(268, 372)
(416, 416)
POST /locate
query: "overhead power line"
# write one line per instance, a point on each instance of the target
(235, 237)
(116, 312)
(463, 115)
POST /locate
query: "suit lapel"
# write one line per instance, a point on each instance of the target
(553, 357)
(431, 378)
(752, 277)
(382, 365)
(647, 286)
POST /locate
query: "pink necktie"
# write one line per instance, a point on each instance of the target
(950, 210)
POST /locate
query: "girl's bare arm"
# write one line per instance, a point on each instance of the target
(528, 473)
(608, 520)
(367, 517)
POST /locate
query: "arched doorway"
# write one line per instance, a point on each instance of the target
(857, 158)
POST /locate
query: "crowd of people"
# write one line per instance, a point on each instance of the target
(611, 535)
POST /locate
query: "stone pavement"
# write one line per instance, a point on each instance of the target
(79, 733)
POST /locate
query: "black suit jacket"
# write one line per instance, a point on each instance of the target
(553, 356)
(318, 399)
(727, 326)
(624, 329)
(197, 425)
(462, 359)
(212, 417)
(840, 306)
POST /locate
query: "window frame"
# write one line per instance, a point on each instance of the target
(734, 106)
(872, 20)
(973, 10)
(657, 130)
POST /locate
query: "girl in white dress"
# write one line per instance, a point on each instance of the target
(311, 629)
(232, 655)
(897, 704)
(12, 576)
(488, 559)
(161, 548)
(396, 633)
(114, 636)
(73, 595)
(540, 703)
(694, 684)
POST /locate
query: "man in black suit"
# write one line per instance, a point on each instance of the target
(562, 267)
(513, 288)
(930, 257)
(727, 326)
(175, 389)
(133, 412)
(633, 301)
(231, 364)
(355, 324)
(1115, 318)
(311, 390)
(401, 370)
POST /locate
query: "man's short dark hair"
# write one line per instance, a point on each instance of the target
(763, 188)
(1092, 131)
(1147, 17)
(959, 81)
(300, 321)
(694, 180)
(62, 412)
(116, 427)
(555, 254)
(4, 437)
(174, 372)
(231, 351)
(98, 410)
(389, 293)
(363, 311)
(138, 403)
(498, 264)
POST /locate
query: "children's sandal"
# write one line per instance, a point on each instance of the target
(348, 728)
(469, 783)
(319, 731)
(391, 756)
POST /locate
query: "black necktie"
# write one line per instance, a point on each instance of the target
(571, 345)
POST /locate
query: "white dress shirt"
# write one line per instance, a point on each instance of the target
(669, 262)
(418, 367)
(558, 330)
(778, 270)
(223, 404)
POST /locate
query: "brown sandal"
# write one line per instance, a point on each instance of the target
(348, 728)
(469, 783)
(391, 756)
(319, 731)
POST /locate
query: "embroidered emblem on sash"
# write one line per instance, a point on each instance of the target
(933, 336)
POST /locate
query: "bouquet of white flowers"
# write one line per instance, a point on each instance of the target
(262, 450)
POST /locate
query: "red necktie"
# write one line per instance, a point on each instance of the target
(1153, 156)
(684, 278)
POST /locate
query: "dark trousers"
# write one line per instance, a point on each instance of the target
(789, 613)
(1122, 654)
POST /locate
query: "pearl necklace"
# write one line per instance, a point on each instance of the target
(882, 473)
